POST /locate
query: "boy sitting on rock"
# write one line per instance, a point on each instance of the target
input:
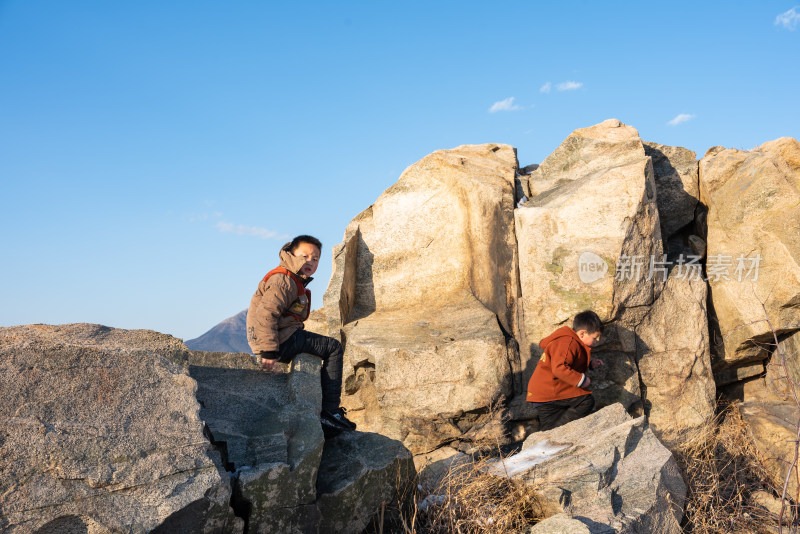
(558, 385)
(275, 326)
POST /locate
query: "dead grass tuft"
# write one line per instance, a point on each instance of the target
(469, 500)
(722, 471)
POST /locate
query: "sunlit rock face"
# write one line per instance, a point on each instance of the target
(424, 295)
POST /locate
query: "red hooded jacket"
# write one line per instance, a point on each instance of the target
(561, 368)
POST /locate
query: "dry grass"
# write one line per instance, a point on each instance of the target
(469, 500)
(722, 472)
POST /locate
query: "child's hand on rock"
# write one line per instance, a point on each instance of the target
(596, 364)
(268, 361)
(268, 365)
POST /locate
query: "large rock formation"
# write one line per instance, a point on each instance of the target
(753, 200)
(573, 232)
(590, 238)
(606, 470)
(427, 305)
(99, 430)
(286, 477)
(269, 428)
(424, 293)
(581, 247)
(674, 360)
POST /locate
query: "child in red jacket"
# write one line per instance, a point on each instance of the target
(559, 382)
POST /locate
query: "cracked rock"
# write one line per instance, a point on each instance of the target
(607, 471)
(99, 431)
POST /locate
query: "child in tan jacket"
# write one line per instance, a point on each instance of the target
(275, 330)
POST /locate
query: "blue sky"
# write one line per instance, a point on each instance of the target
(155, 155)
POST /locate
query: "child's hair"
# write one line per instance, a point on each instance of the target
(304, 239)
(589, 321)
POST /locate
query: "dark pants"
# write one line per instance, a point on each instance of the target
(556, 413)
(327, 348)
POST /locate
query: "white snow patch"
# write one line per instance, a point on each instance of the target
(430, 500)
(525, 459)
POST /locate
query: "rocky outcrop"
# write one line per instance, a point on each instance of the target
(607, 471)
(783, 371)
(572, 232)
(773, 428)
(286, 477)
(573, 237)
(674, 360)
(424, 295)
(105, 430)
(437, 348)
(269, 428)
(560, 524)
(100, 427)
(753, 200)
(361, 475)
(583, 248)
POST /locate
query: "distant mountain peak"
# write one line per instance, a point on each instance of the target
(229, 335)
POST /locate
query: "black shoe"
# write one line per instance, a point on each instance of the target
(336, 419)
(330, 432)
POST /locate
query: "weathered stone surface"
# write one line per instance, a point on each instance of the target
(445, 229)
(286, 477)
(427, 382)
(731, 375)
(753, 198)
(268, 424)
(782, 379)
(560, 524)
(674, 359)
(585, 152)
(362, 473)
(99, 431)
(606, 469)
(773, 427)
(583, 248)
(787, 147)
(424, 287)
(573, 234)
(434, 467)
(677, 185)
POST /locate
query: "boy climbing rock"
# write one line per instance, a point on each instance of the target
(275, 326)
(558, 385)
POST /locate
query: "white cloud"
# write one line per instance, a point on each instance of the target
(681, 117)
(789, 20)
(569, 86)
(504, 105)
(255, 231)
(546, 88)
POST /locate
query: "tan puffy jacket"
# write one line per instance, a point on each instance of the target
(268, 324)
